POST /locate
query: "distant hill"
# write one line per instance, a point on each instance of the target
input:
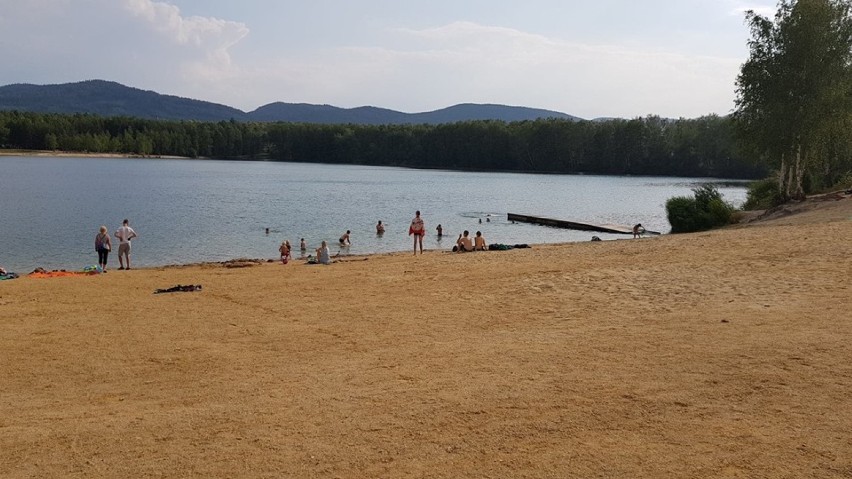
(327, 114)
(472, 111)
(369, 115)
(108, 98)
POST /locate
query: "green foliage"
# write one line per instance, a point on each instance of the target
(794, 93)
(705, 210)
(642, 146)
(846, 181)
(763, 194)
(683, 214)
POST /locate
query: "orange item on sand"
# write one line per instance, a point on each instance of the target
(56, 274)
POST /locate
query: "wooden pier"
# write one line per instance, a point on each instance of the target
(574, 225)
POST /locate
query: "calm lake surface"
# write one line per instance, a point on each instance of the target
(188, 211)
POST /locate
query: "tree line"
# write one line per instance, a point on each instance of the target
(794, 95)
(702, 147)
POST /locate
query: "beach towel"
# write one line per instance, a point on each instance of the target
(55, 274)
(60, 273)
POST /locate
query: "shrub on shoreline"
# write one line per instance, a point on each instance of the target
(763, 194)
(704, 211)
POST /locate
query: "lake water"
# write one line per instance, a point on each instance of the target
(189, 211)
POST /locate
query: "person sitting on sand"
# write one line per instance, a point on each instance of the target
(380, 228)
(284, 249)
(323, 255)
(463, 243)
(344, 240)
(479, 242)
(638, 229)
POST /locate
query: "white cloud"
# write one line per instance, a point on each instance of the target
(194, 30)
(466, 62)
(210, 35)
(152, 45)
(143, 43)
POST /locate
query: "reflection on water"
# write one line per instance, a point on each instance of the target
(205, 210)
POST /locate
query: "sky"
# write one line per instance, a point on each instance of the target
(589, 58)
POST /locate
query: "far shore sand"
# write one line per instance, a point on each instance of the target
(77, 154)
(723, 354)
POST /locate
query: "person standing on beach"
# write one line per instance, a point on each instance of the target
(103, 245)
(124, 235)
(284, 249)
(417, 228)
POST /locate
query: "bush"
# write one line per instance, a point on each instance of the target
(704, 211)
(845, 182)
(763, 194)
(683, 214)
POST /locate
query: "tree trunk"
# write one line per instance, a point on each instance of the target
(797, 174)
(782, 178)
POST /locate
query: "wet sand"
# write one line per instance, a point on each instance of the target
(716, 355)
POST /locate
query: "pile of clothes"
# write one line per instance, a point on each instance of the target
(179, 288)
(506, 247)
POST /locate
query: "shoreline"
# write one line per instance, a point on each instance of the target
(72, 154)
(717, 354)
(813, 204)
(240, 262)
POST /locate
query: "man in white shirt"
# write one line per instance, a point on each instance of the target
(124, 235)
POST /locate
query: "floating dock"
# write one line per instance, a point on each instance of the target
(574, 225)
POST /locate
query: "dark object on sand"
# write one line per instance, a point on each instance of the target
(179, 288)
(595, 238)
(506, 247)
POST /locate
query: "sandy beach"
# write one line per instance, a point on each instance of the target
(723, 354)
(77, 154)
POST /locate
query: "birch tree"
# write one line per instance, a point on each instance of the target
(796, 88)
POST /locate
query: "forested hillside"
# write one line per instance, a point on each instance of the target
(642, 146)
(106, 98)
(110, 99)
